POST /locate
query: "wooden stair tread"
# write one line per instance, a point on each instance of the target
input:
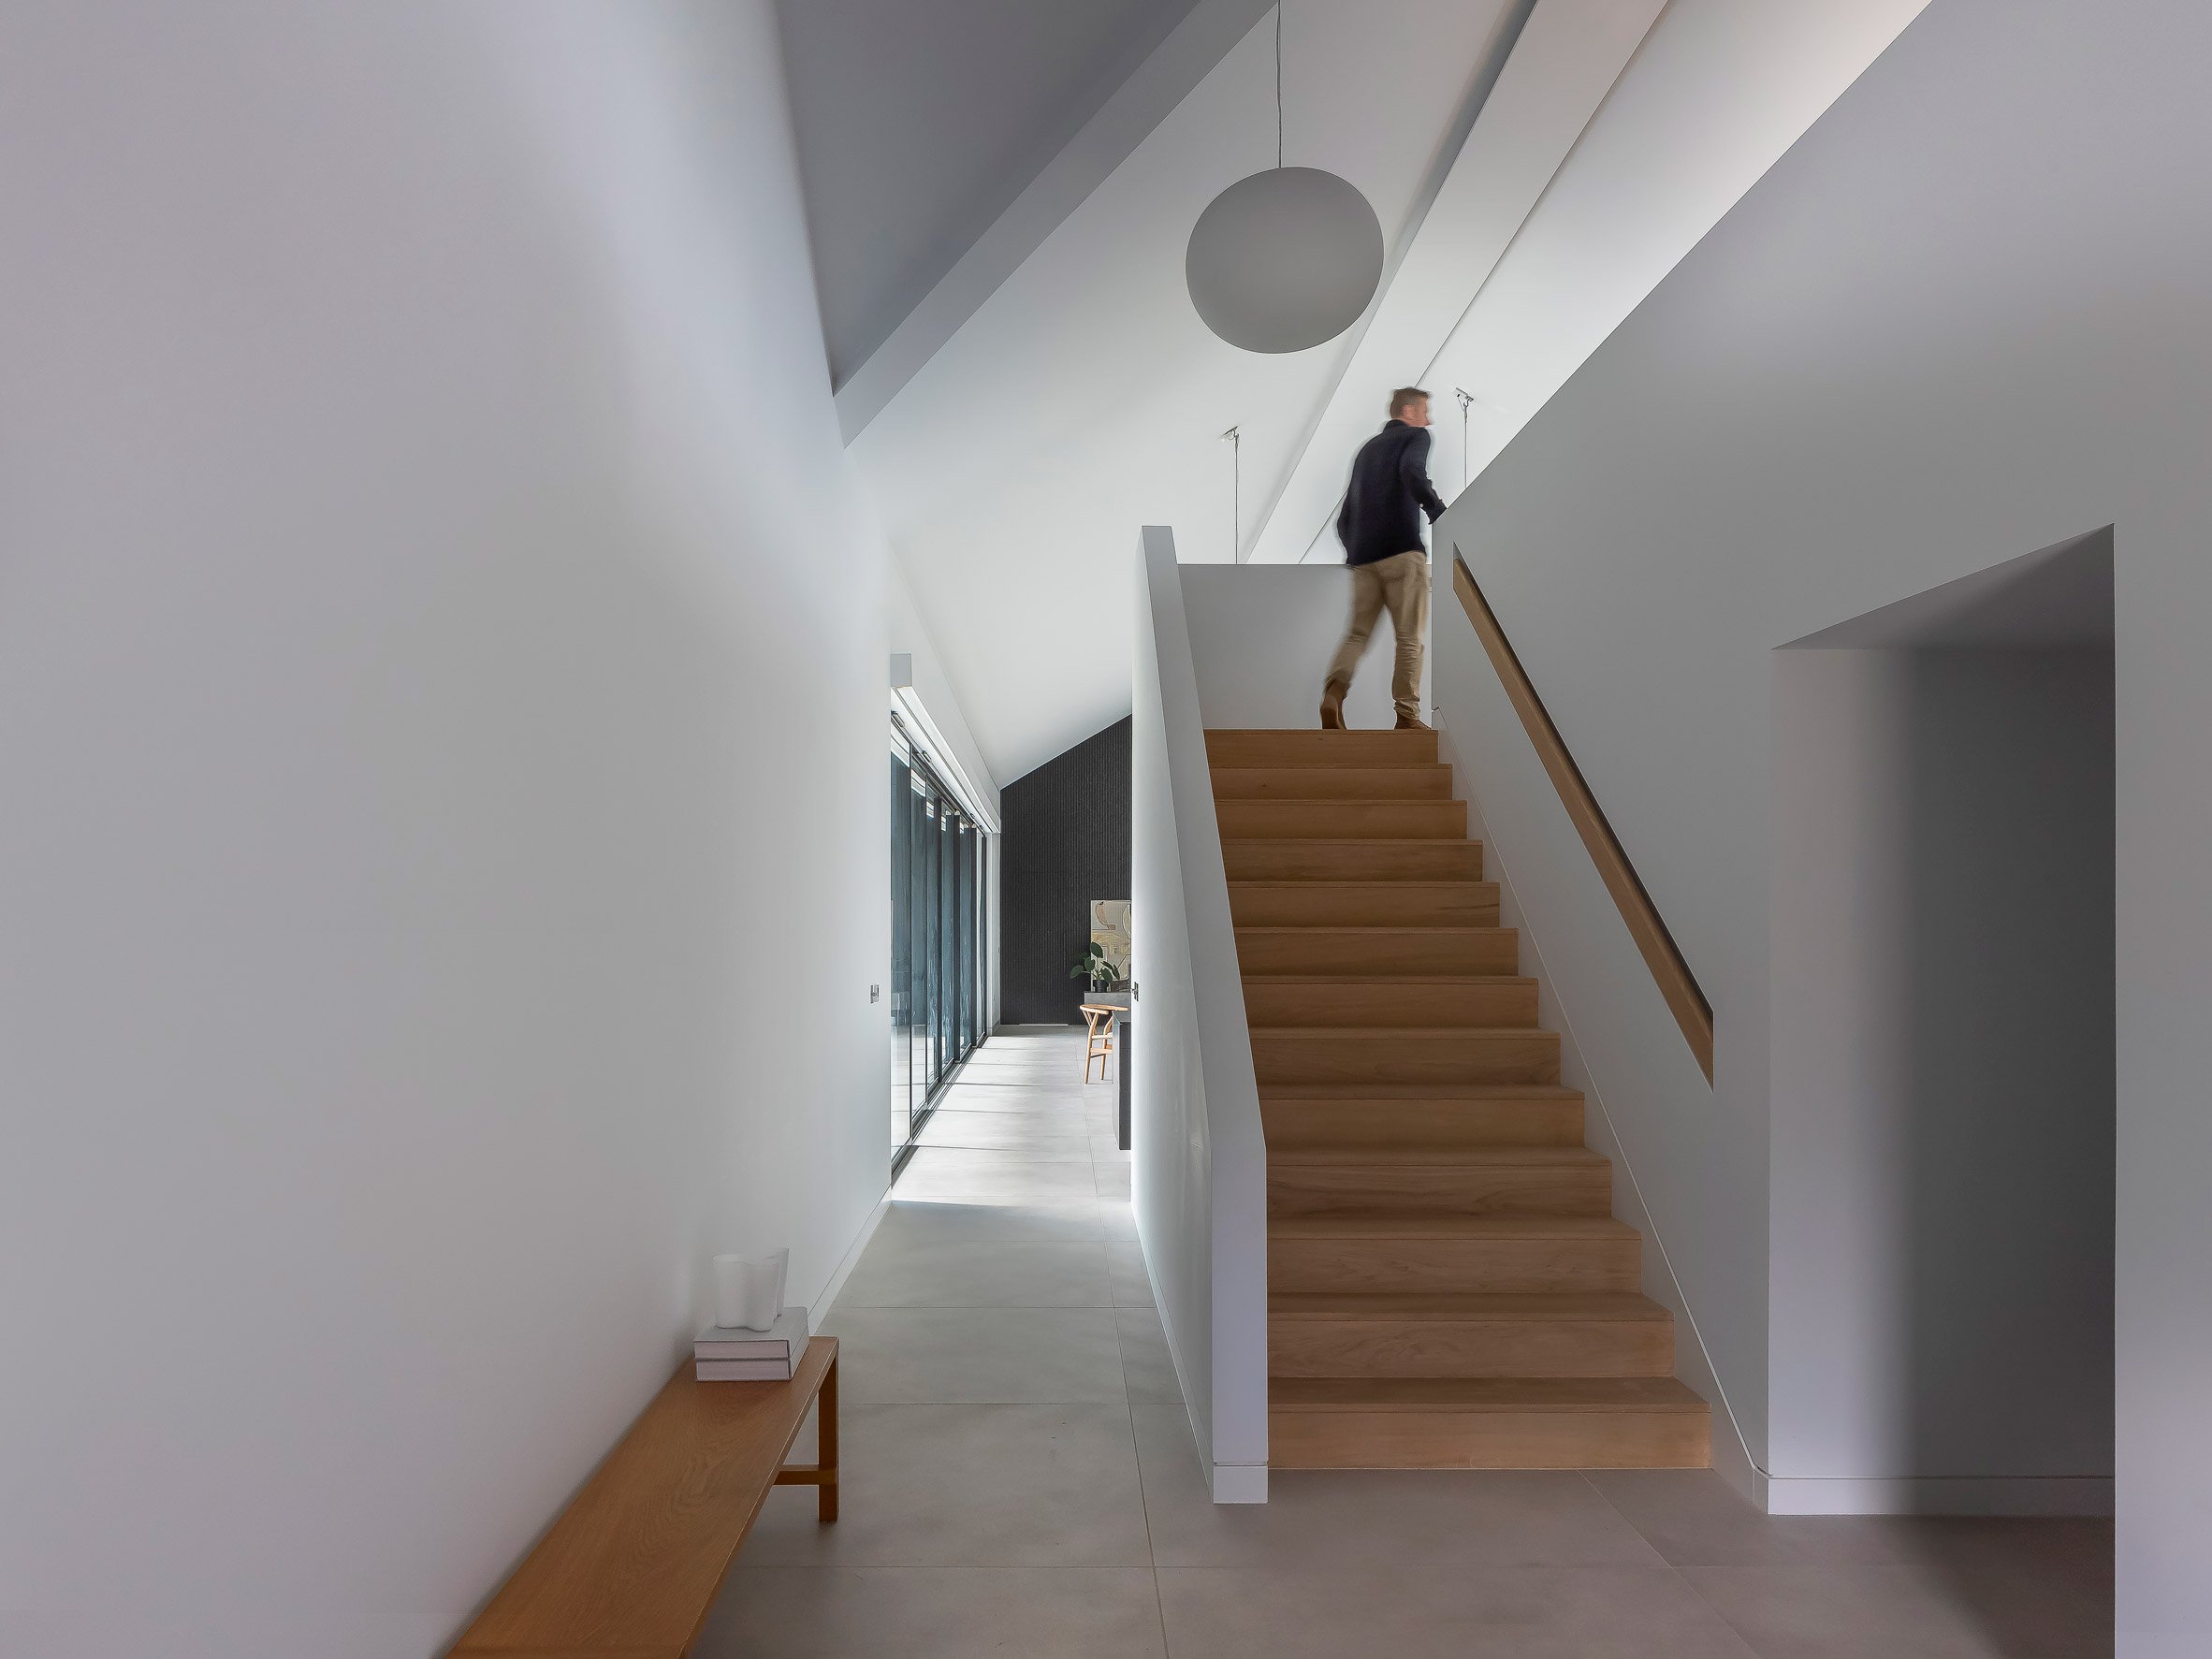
(1393, 978)
(1236, 746)
(1369, 843)
(1333, 783)
(1444, 1224)
(1483, 1394)
(1359, 1154)
(1326, 930)
(1339, 884)
(1465, 1307)
(1407, 1033)
(1474, 1094)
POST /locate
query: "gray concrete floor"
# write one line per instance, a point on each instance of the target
(1019, 1480)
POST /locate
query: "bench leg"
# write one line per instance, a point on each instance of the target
(826, 1495)
(822, 1475)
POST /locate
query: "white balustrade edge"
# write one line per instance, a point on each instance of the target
(1226, 1385)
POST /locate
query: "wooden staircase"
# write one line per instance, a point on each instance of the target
(1447, 1286)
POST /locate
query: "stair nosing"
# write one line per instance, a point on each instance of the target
(1411, 928)
(1429, 1033)
(1425, 1092)
(1445, 1223)
(1491, 1307)
(1394, 979)
(1359, 1154)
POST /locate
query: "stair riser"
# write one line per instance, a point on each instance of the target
(1382, 1266)
(1422, 1123)
(1488, 1440)
(1425, 950)
(1316, 747)
(1299, 904)
(1391, 1056)
(1342, 821)
(1333, 783)
(1409, 1347)
(1579, 1190)
(1384, 859)
(1275, 1002)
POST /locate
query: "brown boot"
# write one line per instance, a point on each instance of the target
(1333, 708)
(1408, 723)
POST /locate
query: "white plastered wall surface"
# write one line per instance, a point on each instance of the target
(442, 704)
(1964, 319)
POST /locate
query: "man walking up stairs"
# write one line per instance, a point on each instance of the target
(1380, 527)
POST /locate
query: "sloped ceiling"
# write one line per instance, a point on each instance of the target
(1080, 398)
(919, 122)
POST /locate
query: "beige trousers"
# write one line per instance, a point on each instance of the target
(1399, 584)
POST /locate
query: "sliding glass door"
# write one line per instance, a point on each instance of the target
(936, 941)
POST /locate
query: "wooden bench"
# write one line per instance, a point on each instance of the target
(629, 1570)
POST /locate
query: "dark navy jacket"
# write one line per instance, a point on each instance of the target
(1389, 490)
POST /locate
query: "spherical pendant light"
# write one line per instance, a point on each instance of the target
(1284, 260)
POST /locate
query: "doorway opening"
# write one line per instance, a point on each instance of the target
(1943, 1047)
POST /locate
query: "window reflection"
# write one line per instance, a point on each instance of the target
(937, 956)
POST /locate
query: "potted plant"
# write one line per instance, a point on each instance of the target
(1093, 967)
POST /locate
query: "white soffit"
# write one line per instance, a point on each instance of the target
(1567, 59)
(1718, 91)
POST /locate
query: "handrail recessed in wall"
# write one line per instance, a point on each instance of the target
(1671, 973)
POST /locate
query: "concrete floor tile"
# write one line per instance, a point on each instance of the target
(943, 1174)
(1892, 1612)
(1291, 1612)
(986, 1095)
(978, 1355)
(1148, 1370)
(979, 1273)
(968, 1486)
(1693, 1517)
(1044, 1137)
(1125, 1264)
(1069, 1221)
(934, 1613)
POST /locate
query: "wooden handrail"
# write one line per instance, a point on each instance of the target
(1676, 983)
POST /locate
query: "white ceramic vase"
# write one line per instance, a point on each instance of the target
(749, 1290)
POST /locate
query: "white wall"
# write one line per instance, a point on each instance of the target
(1943, 1075)
(910, 637)
(442, 705)
(1649, 1109)
(1199, 1153)
(1961, 320)
(1262, 636)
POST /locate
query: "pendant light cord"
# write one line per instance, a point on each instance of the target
(1278, 85)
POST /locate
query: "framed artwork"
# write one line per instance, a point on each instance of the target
(1110, 932)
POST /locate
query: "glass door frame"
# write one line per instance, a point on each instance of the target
(938, 1009)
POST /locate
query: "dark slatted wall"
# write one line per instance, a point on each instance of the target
(1066, 842)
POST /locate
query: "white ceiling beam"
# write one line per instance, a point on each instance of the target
(1567, 57)
(1163, 80)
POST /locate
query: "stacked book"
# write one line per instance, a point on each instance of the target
(726, 1353)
